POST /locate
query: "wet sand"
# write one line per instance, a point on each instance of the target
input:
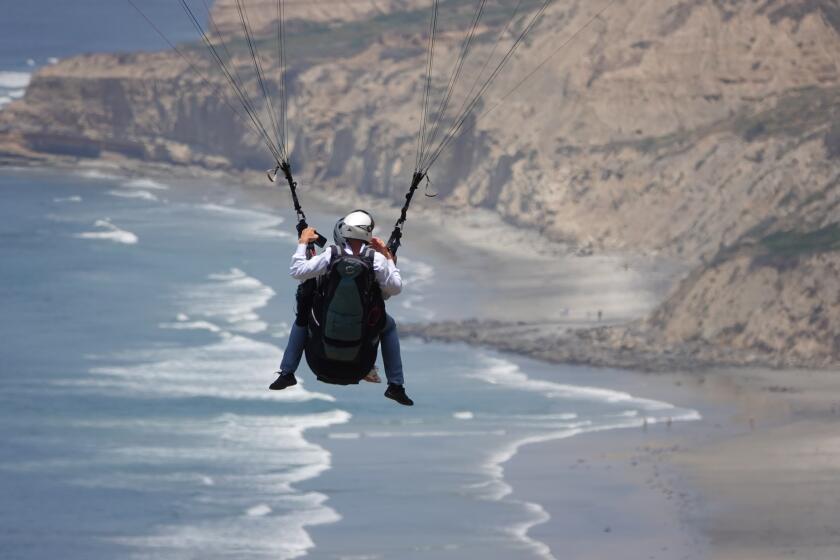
(758, 478)
(615, 494)
(771, 489)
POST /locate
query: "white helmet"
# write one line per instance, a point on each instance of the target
(358, 224)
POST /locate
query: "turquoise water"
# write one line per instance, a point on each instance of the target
(141, 325)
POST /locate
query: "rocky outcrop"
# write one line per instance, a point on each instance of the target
(691, 128)
(771, 300)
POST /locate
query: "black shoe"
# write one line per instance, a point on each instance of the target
(284, 380)
(397, 393)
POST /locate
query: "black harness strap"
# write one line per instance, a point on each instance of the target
(334, 253)
(396, 235)
(368, 256)
(287, 173)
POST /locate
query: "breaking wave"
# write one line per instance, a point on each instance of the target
(231, 297)
(109, 232)
(13, 86)
(138, 194)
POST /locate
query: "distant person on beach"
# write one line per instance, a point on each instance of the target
(353, 236)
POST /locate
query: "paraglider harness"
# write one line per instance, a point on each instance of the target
(345, 320)
(343, 310)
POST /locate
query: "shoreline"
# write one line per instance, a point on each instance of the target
(616, 492)
(755, 478)
(762, 418)
(614, 489)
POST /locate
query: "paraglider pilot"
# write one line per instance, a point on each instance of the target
(353, 236)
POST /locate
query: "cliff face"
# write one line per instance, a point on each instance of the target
(776, 299)
(263, 13)
(690, 128)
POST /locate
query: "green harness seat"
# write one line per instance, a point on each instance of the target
(347, 319)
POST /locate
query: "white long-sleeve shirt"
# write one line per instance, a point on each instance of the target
(386, 272)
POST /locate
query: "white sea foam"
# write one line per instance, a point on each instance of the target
(541, 422)
(519, 531)
(499, 371)
(232, 297)
(418, 272)
(344, 435)
(258, 510)
(497, 489)
(281, 330)
(231, 367)
(464, 415)
(67, 199)
(561, 416)
(52, 60)
(250, 222)
(97, 174)
(15, 80)
(274, 537)
(551, 427)
(13, 86)
(191, 326)
(234, 367)
(144, 195)
(109, 232)
(417, 276)
(248, 509)
(435, 434)
(148, 184)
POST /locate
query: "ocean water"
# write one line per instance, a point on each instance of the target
(38, 30)
(141, 325)
(35, 33)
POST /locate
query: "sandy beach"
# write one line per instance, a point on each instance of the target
(768, 488)
(755, 479)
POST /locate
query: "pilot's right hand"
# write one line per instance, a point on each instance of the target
(307, 236)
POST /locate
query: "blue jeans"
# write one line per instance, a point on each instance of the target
(390, 344)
